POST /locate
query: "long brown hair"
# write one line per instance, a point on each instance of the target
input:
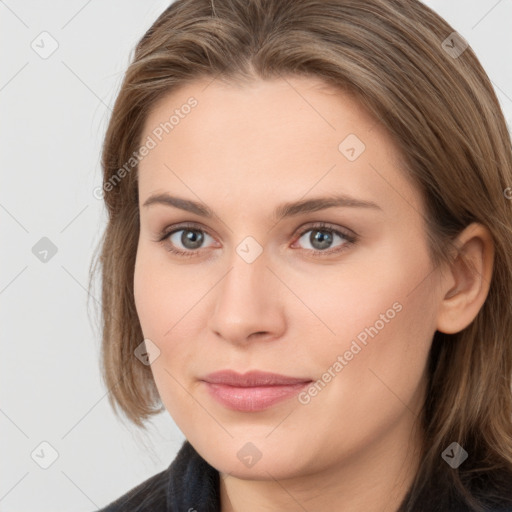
(410, 69)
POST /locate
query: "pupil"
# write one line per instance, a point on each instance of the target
(319, 236)
(195, 237)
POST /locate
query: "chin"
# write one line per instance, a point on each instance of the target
(259, 459)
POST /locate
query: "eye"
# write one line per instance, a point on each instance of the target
(322, 236)
(190, 237)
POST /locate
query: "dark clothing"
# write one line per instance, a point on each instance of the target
(189, 484)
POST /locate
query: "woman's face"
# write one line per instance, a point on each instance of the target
(347, 309)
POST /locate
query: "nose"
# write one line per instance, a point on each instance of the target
(248, 303)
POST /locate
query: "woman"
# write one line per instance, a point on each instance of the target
(308, 259)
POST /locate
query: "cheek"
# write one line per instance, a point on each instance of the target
(164, 300)
(147, 296)
(369, 298)
(160, 304)
(382, 319)
(158, 293)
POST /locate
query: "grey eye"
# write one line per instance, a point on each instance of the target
(320, 239)
(190, 238)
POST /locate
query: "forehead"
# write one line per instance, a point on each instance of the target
(270, 140)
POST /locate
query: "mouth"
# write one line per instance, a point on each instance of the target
(252, 391)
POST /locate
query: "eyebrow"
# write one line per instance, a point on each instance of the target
(289, 209)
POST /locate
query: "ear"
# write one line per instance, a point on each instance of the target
(466, 283)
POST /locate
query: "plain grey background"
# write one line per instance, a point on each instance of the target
(61, 66)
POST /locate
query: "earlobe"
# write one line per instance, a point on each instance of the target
(467, 281)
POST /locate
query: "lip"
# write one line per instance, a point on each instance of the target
(252, 391)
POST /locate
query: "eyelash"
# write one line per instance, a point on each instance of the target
(349, 238)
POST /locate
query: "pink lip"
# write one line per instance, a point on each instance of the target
(252, 391)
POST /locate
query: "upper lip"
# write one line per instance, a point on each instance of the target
(252, 378)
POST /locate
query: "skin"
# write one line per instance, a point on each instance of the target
(242, 151)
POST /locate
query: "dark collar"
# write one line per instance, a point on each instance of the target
(193, 484)
(189, 484)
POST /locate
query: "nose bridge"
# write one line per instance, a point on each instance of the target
(246, 285)
(246, 301)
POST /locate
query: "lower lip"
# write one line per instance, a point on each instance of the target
(252, 399)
